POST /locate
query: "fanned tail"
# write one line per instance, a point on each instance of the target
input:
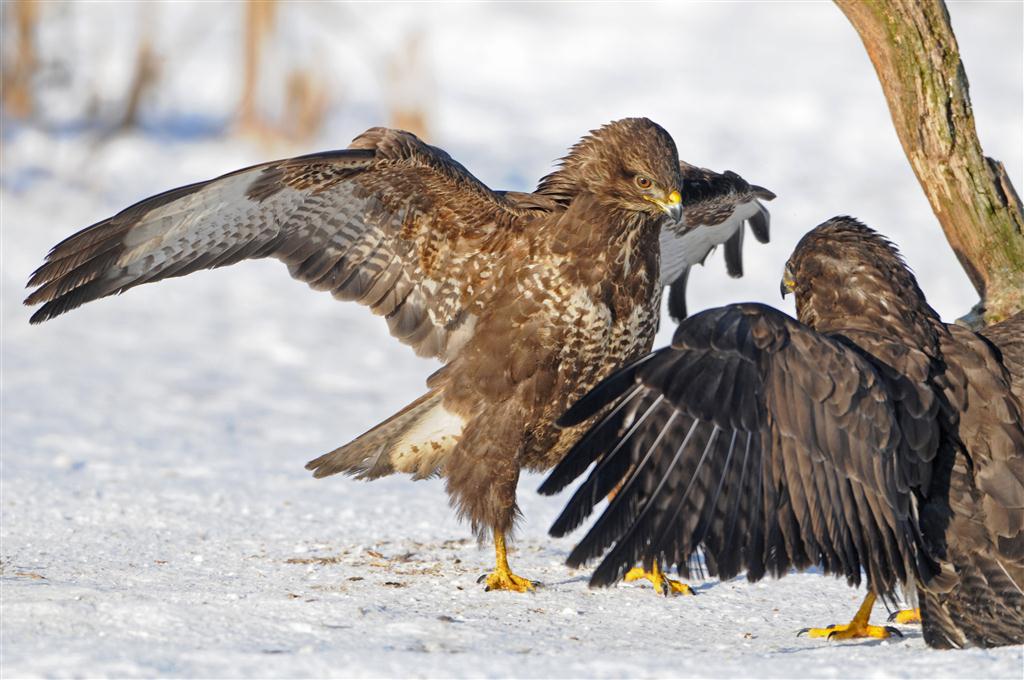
(416, 440)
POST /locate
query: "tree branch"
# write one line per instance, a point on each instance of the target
(914, 51)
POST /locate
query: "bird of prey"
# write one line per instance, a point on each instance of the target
(717, 206)
(866, 436)
(528, 300)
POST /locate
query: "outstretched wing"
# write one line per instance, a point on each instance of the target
(756, 438)
(391, 222)
(717, 206)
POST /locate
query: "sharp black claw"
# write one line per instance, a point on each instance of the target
(803, 631)
(893, 631)
(892, 617)
(481, 579)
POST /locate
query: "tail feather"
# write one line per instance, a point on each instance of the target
(416, 441)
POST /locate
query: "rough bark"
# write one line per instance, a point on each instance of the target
(914, 51)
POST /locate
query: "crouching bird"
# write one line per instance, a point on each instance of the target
(528, 299)
(867, 437)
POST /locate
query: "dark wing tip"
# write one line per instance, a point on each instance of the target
(677, 297)
(734, 254)
(762, 193)
(40, 315)
(760, 224)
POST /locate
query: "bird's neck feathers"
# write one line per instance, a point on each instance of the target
(592, 222)
(882, 301)
(562, 185)
(582, 167)
(618, 245)
(848, 277)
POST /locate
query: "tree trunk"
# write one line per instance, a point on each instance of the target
(914, 51)
(259, 21)
(17, 84)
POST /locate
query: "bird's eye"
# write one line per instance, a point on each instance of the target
(643, 182)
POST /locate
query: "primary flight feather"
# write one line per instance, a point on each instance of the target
(867, 437)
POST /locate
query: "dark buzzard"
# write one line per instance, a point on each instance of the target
(527, 299)
(866, 437)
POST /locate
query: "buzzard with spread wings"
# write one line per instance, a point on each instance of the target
(527, 299)
(866, 437)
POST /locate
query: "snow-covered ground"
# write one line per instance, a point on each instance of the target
(156, 519)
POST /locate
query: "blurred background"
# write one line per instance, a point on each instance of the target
(153, 444)
(107, 103)
(104, 103)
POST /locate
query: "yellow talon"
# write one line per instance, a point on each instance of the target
(502, 577)
(857, 628)
(906, 616)
(662, 583)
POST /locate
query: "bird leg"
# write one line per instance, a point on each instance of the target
(659, 580)
(858, 628)
(502, 577)
(661, 583)
(906, 616)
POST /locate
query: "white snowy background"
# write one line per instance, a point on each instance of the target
(156, 517)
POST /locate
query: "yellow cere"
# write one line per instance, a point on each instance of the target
(674, 198)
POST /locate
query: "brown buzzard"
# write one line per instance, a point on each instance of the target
(867, 436)
(527, 299)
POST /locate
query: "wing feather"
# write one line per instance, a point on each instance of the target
(771, 447)
(717, 207)
(391, 223)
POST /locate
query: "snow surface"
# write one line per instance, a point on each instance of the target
(156, 519)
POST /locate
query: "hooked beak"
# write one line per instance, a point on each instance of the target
(672, 205)
(786, 286)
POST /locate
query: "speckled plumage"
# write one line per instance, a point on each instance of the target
(527, 299)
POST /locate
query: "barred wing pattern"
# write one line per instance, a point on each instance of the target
(717, 205)
(757, 439)
(391, 222)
